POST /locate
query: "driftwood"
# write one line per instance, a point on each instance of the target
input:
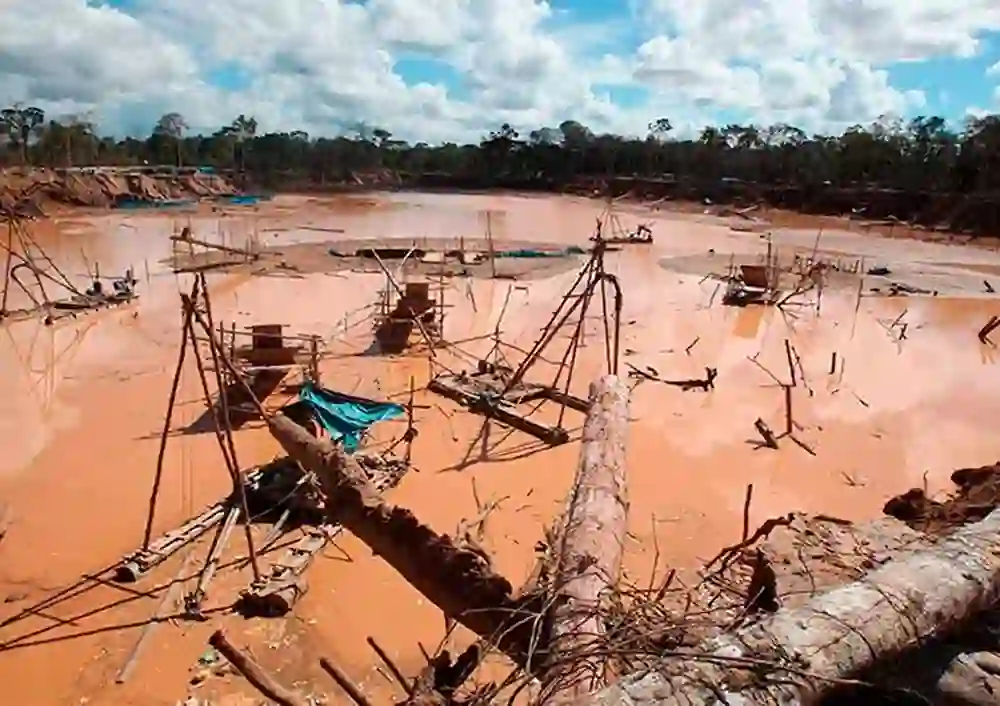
(590, 544)
(457, 579)
(344, 682)
(253, 672)
(795, 656)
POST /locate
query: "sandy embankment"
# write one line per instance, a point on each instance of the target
(49, 190)
(82, 419)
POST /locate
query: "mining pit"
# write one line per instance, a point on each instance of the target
(486, 414)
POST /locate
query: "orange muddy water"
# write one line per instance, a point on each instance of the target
(84, 405)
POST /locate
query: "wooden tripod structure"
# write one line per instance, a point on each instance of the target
(198, 313)
(494, 391)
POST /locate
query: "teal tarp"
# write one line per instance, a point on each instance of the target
(526, 252)
(345, 417)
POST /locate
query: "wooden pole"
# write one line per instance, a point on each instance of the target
(489, 245)
(344, 682)
(591, 544)
(6, 277)
(253, 672)
(921, 594)
(167, 419)
(224, 425)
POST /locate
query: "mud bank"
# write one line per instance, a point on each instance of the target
(478, 258)
(105, 187)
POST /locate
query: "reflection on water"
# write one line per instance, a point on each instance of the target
(749, 320)
(36, 360)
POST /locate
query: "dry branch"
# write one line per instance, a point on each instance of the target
(591, 542)
(344, 682)
(796, 655)
(253, 672)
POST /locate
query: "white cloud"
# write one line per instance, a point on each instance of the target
(320, 65)
(994, 70)
(874, 31)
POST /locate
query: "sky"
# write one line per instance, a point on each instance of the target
(452, 70)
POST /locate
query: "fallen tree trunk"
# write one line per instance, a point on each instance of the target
(795, 656)
(590, 543)
(459, 580)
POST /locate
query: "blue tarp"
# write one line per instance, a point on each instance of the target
(244, 199)
(131, 203)
(345, 417)
(526, 252)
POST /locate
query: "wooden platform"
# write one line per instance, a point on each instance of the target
(481, 392)
(283, 585)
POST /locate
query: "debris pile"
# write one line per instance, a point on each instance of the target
(976, 495)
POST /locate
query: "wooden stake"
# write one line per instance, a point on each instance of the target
(489, 245)
(222, 426)
(390, 665)
(770, 440)
(344, 682)
(789, 424)
(791, 363)
(746, 512)
(261, 680)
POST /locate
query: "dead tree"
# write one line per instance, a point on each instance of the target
(795, 656)
(590, 545)
(458, 579)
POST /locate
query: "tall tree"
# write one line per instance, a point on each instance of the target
(242, 129)
(19, 123)
(173, 126)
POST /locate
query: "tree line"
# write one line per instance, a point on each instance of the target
(917, 157)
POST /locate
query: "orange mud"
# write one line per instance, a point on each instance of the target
(85, 401)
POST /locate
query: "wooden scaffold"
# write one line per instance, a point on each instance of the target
(278, 495)
(497, 391)
(409, 309)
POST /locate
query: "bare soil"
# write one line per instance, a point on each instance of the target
(976, 495)
(101, 188)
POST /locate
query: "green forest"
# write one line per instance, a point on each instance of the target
(919, 155)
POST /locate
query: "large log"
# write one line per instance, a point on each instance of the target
(795, 656)
(590, 544)
(459, 580)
